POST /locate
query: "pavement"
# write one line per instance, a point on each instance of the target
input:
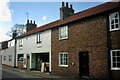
(38, 73)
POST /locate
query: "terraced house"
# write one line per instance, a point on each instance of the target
(8, 51)
(87, 44)
(34, 48)
(81, 45)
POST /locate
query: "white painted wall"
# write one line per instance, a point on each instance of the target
(30, 46)
(7, 52)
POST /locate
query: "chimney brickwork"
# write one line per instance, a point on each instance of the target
(30, 26)
(66, 11)
(14, 34)
(4, 45)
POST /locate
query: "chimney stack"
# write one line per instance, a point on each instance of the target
(14, 34)
(30, 26)
(66, 11)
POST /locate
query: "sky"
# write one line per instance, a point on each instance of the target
(41, 11)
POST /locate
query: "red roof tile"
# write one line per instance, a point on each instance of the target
(83, 14)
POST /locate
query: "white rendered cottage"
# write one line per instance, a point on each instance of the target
(34, 49)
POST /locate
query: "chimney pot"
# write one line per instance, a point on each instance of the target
(62, 4)
(67, 4)
(34, 22)
(71, 6)
(31, 21)
(27, 21)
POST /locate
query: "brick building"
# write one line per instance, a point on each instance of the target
(86, 44)
(83, 45)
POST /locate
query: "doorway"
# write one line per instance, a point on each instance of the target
(41, 58)
(28, 62)
(84, 64)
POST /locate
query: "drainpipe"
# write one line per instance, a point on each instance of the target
(109, 48)
(15, 53)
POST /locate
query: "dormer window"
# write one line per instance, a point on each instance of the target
(63, 32)
(114, 21)
(39, 40)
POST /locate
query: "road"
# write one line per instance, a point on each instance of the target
(10, 74)
(16, 74)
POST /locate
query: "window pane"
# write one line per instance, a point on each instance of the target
(114, 64)
(118, 65)
(61, 32)
(112, 21)
(116, 15)
(61, 63)
(39, 37)
(113, 53)
(118, 53)
(116, 20)
(116, 26)
(63, 59)
(66, 31)
(112, 26)
(114, 59)
(118, 59)
(64, 55)
(66, 61)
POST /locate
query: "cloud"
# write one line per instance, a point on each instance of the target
(44, 17)
(3, 36)
(5, 12)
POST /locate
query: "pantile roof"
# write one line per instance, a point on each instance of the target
(109, 6)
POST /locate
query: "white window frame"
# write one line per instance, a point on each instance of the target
(10, 57)
(20, 42)
(63, 65)
(114, 68)
(111, 17)
(39, 38)
(9, 44)
(4, 58)
(63, 32)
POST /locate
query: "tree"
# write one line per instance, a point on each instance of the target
(18, 28)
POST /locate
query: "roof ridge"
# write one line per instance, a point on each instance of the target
(77, 16)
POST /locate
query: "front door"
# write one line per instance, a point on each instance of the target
(84, 64)
(28, 61)
(38, 62)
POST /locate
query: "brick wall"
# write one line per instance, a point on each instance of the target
(87, 35)
(115, 44)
